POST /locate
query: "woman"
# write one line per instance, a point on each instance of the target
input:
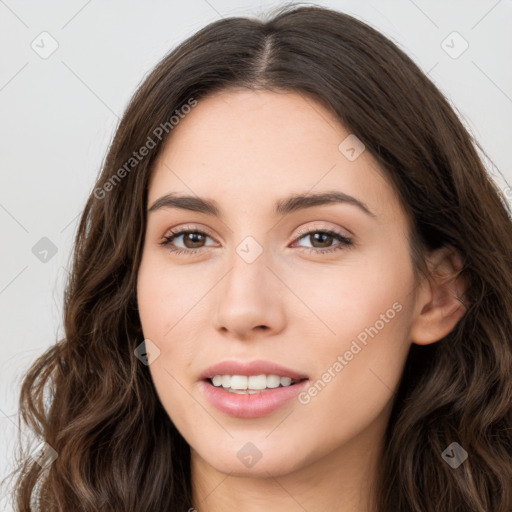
(212, 361)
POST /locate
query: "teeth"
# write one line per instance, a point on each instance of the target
(251, 384)
(286, 381)
(256, 382)
(273, 381)
(217, 380)
(238, 382)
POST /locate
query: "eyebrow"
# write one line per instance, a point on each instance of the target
(284, 206)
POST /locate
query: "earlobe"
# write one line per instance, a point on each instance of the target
(440, 303)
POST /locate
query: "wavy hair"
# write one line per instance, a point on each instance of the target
(117, 448)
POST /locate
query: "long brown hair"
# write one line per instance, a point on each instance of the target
(117, 448)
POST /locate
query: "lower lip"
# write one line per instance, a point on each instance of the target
(251, 406)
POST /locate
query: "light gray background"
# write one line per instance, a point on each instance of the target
(58, 116)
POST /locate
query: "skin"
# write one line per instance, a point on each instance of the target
(245, 150)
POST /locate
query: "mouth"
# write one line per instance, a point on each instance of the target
(251, 389)
(251, 396)
(252, 384)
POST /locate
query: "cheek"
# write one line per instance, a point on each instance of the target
(165, 296)
(162, 313)
(366, 309)
(346, 299)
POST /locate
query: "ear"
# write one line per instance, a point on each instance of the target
(440, 304)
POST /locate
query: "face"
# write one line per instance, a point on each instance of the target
(317, 291)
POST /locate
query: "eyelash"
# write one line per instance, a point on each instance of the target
(345, 241)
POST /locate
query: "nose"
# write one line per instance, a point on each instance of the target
(250, 299)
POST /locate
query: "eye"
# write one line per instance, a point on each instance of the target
(194, 238)
(325, 237)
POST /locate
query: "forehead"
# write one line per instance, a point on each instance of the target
(249, 148)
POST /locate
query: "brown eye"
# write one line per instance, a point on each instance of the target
(322, 240)
(192, 240)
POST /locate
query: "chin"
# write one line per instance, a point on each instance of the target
(255, 459)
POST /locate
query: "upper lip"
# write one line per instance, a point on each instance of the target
(249, 368)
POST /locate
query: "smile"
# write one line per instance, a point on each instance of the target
(251, 403)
